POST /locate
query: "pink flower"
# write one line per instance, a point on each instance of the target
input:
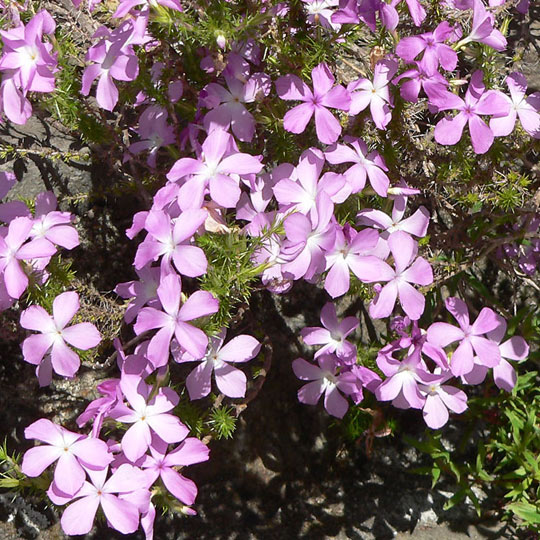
(218, 169)
(324, 380)
(477, 102)
(324, 95)
(374, 93)
(227, 105)
(432, 45)
(54, 335)
(527, 108)
(121, 514)
(148, 415)
(70, 449)
(398, 285)
(333, 335)
(229, 380)
(159, 464)
(173, 321)
(370, 165)
(469, 336)
(125, 6)
(439, 399)
(12, 252)
(352, 251)
(169, 239)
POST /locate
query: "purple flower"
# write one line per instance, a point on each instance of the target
(169, 239)
(324, 95)
(404, 377)
(154, 132)
(352, 251)
(160, 464)
(324, 380)
(439, 399)
(525, 107)
(433, 84)
(173, 321)
(374, 93)
(218, 169)
(227, 105)
(125, 6)
(403, 249)
(229, 380)
(333, 335)
(482, 29)
(70, 449)
(477, 102)
(469, 336)
(54, 335)
(370, 165)
(121, 514)
(432, 45)
(149, 414)
(28, 65)
(12, 252)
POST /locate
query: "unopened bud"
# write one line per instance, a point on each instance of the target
(221, 41)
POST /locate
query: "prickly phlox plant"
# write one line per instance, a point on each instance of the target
(262, 165)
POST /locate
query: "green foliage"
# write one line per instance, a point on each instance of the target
(504, 461)
(231, 274)
(60, 279)
(222, 422)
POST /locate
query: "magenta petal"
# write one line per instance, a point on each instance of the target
(411, 300)
(230, 381)
(297, 118)
(34, 347)
(36, 318)
(182, 488)
(168, 427)
(158, 349)
(84, 336)
(65, 362)
(65, 306)
(190, 261)
(419, 272)
(384, 304)
(78, 517)
(448, 131)
(337, 280)
(327, 125)
(240, 349)
(136, 440)
(69, 475)
(37, 459)
(44, 430)
(481, 136)
(486, 321)
(516, 348)
(335, 403)
(199, 381)
(92, 452)
(106, 92)
(15, 279)
(435, 413)
(487, 351)
(191, 451)
(224, 190)
(122, 515)
(199, 304)
(504, 375)
(192, 339)
(453, 398)
(311, 393)
(389, 388)
(462, 361)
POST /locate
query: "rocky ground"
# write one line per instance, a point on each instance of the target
(287, 474)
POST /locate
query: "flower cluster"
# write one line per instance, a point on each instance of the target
(336, 215)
